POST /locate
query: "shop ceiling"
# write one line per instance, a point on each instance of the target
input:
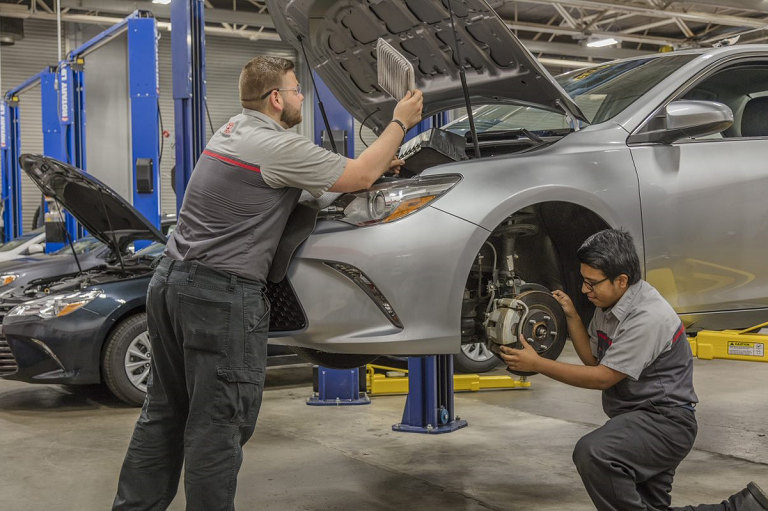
(554, 30)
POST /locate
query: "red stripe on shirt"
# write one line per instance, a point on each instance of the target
(230, 160)
(680, 332)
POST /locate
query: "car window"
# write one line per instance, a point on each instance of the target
(153, 250)
(744, 89)
(81, 246)
(19, 241)
(601, 92)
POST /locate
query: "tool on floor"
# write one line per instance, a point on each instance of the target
(747, 344)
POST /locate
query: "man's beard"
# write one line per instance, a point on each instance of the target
(290, 116)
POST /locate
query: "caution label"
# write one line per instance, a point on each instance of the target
(749, 349)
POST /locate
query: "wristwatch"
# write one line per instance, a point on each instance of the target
(400, 123)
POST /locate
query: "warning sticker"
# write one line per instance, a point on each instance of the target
(749, 349)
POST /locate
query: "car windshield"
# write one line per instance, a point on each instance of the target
(601, 92)
(81, 246)
(20, 240)
(153, 250)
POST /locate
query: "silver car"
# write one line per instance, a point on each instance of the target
(462, 248)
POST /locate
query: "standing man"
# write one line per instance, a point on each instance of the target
(637, 353)
(207, 316)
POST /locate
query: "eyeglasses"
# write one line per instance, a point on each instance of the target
(591, 285)
(296, 89)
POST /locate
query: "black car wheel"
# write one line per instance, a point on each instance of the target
(333, 360)
(126, 360)
(475, 358)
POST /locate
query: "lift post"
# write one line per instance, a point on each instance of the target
(188, 61)
(338, 387)
(143, 89)
(429, 405)
(12, 225)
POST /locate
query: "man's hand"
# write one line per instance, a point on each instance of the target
(524, 359)
(408, 109)
(566, 303)
(394, 166)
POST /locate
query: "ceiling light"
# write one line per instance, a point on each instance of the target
(163, 2)
(599, 43)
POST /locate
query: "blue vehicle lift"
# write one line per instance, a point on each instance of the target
(63, 121)
(144, 90)
(189, 93)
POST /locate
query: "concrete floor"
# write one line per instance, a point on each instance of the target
(62, 449)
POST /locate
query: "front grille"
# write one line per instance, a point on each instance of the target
(286, 314)
(7, 362)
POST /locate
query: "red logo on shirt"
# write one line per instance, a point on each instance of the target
(228, 129)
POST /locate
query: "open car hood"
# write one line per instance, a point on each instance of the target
(106, 215)
(340, 38)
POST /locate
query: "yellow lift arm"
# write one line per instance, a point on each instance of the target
(731, 344)
(379, 384)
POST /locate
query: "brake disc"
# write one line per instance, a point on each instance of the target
(543, 326)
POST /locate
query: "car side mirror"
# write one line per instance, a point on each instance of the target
(36, 248)
(685, 119)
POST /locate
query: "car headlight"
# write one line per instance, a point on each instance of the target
(55, 305)
(7, 278)
(387, 202)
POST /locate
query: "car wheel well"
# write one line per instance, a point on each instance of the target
(535, 245)
(115, 325)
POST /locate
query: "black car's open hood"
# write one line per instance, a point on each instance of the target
(340, 40)
(106, 215)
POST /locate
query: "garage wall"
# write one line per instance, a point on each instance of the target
(20, 62)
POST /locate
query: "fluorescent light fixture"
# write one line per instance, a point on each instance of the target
(599, 43)
(162, 2)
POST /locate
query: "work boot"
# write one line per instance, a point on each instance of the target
(759, 496)
(750, 498)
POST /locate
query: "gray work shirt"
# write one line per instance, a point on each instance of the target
(243, 188)
(642, 337)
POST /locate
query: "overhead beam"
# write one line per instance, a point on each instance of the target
(21, 11)
(577, 50)
(550, 29)
(692, 16)
(566, 16)
(164, 11)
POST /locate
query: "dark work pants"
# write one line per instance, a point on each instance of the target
(628, 464)
(208, 331)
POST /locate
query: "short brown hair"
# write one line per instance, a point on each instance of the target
(259, 76)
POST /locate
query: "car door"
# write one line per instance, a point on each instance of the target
(705, 213)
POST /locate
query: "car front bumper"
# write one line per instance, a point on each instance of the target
(58, 350)
(418, 265)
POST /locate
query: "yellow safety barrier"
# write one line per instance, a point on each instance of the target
(378, 384)
(731, 344)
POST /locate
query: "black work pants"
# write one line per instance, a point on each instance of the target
(208, 331)
(628, 464)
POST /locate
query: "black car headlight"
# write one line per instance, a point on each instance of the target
(56, 305)
(387, 202)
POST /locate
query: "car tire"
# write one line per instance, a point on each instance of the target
(334, 360)
(125, 364)
(475, 358)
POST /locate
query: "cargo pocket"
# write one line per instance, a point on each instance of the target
(238, 395)
(205, 323)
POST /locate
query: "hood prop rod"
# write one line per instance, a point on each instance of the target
(115, 246)
(317, 94)
(69, 240)
(464, 87)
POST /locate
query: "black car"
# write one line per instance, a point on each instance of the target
(91, 327)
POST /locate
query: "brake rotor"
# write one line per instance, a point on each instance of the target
(544, 326)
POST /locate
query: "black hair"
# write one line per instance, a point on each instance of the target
(611, 251)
